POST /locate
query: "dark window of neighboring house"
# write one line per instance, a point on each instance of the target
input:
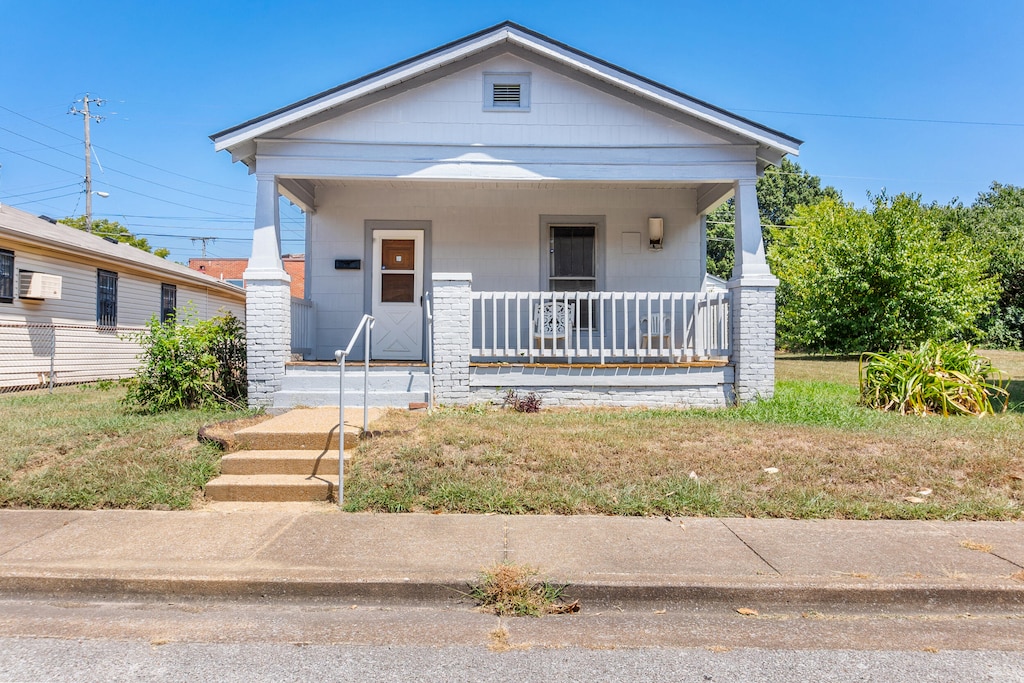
(6, 276)
(106, 299)
(168, 302)
(573, 263)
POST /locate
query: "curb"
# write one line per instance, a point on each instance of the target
(792, 595)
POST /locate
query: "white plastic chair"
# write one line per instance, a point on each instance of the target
(553, 320)
(657, 327)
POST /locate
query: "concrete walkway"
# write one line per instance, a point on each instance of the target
(314, 551)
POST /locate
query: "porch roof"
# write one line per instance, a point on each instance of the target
(240, 140)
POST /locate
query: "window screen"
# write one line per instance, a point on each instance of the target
(572, 259)
(573, 265)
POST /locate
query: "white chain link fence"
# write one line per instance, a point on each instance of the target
(42, 355)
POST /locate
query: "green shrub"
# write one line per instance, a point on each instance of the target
(936, 378)
(189, 363)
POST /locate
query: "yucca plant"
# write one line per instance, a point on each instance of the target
(944, 379)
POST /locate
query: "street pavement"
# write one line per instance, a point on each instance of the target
(315, 551)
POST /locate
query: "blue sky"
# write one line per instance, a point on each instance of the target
(924, 97)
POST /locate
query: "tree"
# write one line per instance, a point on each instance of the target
(107, 228)
(879, 279)
(995, 223)
(779, 191)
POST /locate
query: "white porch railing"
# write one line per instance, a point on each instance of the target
(303, 325)
(600, 326)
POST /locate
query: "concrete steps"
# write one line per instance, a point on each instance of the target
(317, 385)
(291, 457)
(271, 488)
(306, 463)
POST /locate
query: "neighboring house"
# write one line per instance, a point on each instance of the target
(71, 302)
(552, 206)
(232, 270)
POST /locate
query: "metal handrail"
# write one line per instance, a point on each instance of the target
(367, 321)
(430, 352)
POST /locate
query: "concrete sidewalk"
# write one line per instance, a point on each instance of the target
(314, 551)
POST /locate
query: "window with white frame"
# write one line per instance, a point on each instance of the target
(506, 92)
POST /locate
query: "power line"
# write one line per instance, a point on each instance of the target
(38, 161)
(123, 156)
(125, 173)
(180, 175)
(887, 118)
(49, 189)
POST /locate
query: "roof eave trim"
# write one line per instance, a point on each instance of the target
(526, 39)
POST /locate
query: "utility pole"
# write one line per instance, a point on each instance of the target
(84, 111)
(204, 240)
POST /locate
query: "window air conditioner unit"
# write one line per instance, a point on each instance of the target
(39, 285)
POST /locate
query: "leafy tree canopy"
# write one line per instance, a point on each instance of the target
(995, 222)
(876, 279)
(779, 191)
(107, 228)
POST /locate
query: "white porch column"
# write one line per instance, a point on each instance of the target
(752, 309)
(267, 299)
(452, 309)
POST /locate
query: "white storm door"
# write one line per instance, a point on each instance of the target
(397, 291)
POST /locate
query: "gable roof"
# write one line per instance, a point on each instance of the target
(77, 244)
(239, 138)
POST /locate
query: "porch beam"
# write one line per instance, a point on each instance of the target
(299, 192)
(711, 197)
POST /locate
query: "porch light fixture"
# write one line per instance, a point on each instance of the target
(656, 232)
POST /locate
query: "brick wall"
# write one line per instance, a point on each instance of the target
(232, 269)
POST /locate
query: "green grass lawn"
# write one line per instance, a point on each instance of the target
(76, 448)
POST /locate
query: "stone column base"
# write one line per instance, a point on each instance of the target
(268, 331)
(752, 318)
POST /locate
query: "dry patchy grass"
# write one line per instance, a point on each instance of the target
(75, 448)
(835, 460)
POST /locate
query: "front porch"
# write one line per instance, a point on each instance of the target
(565, 226)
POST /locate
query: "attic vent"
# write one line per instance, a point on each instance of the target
(506, 92)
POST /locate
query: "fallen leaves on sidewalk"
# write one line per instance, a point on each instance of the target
(747, 612)
(973, 545)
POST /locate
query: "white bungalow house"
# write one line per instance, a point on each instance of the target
(550, 208)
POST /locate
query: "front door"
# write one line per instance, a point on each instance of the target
(397, 295)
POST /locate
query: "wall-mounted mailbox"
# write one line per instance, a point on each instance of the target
(348, 264)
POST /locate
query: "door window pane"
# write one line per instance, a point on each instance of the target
(398, 255)
(397, 288)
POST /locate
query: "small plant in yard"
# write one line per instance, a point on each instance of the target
(935, 378)
(188, 363)
(514, 590)
(522, 404)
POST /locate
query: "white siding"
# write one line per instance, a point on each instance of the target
(563, 111)
(66, 327)
(494, 233)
